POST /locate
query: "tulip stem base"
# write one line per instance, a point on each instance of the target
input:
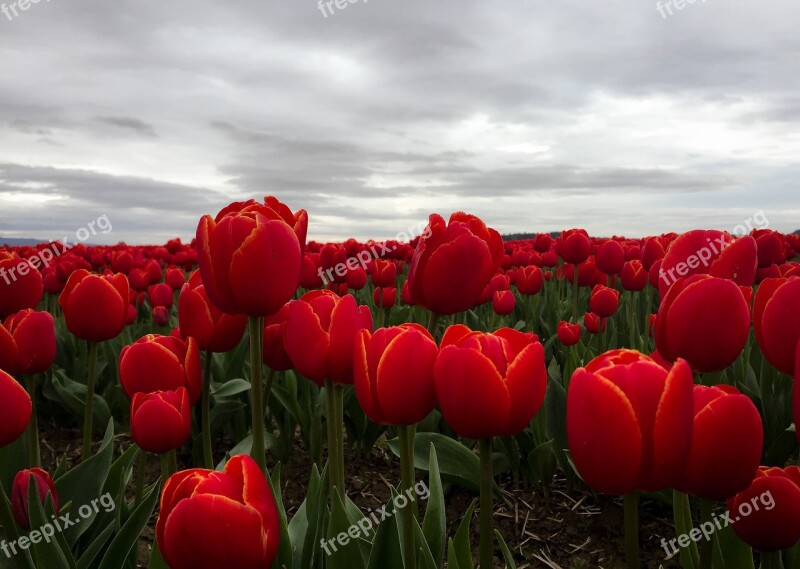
(632, 530)
(88, 416)
(335, 451)
(406, 439)
(259, 450)
(34, 454)
(771, 560)
(208, 452)
(486, 552)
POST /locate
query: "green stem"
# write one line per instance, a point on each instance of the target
(333, 445)
(10, 530)
(705, 546)
(338, 394)
(486, 553)
(88, 416)
(141, 467)
(259, 450)
(632, 530)
(34, 454)
(208, 452)
(407, 483)
(169, 465)
(771, 560)
(647, 306)
(575, 296)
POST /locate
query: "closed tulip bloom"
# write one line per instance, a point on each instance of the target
(21, 284)
(727, 442)
(489, 385)
(530, 280)
(796, 391)
(161, 421)
(604, 301)
(160, 295)
(250, 256)
(405, 295)
(771, 249)
(310, 274)
(776, 319)
(704, 320)
(161, 363)
(209, 519)
(356, 278)
(503, 302)
(574, 246)
(383, 274)
(629, 422)
(95, 306)
(213, 329)
(27, 342)
(15, 409)
(593, 323)
(775, 523)
(652, 252)
(385, 297)
(634, 276)
(393, 374)
(452, 266)
(320, 332)
(275, 356)
(710, 252)
(610, 257)
(568, 334)
(175, 278)
(160, 316)
(20, 494)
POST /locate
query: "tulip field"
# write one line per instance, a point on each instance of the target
(256, 400)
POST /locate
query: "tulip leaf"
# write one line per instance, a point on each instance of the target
(73, 395)
(434, 526)
(125, 541)
(510, 564)
(424, 556)
(156, 560)
(690, 558)
(386, 548)
(457, 463)
(87, 558)
(317, 514)
(345, 551)
(461, 545)
(85, 483)
(231, 388)
(452, 558)
(46, 551)
(13, 458)
(730, 552)
(284, 558)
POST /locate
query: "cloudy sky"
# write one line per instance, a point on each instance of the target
(535, 115)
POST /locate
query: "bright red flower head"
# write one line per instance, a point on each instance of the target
(213, 329)
(250, 256)
(320, 332)
(593, 323)
(530, 280)
(705, 320)
(20, 284)
(383, 274)
(767, 515)
(776, 319)
(160, 295)
(219, 519)
(393, 374)
(161, 363)
(95, 306)
(20, 494)
(727, 442)
(503, 302)
(574, 246)
(489, 385)
(161, 421)
(604, 301)
(385, 297)
(634, 276)
(27, 342)
(454, 263)
(15, 409)
(610, 257)
(275, 355)
(629, 422)
(568, 334)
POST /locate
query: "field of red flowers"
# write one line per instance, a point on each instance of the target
(253, 400)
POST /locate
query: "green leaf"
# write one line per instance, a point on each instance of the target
(730, 552)
(690, 558)
(434, 526)
(461, 544)
(347, 556)
(125, 541)
(284, 558)
(555, 403)
(452, 558)
(457, 463)
(93, 550)
(506, 553)
(47, 552)
(156, 560)
(386, 548)
(232, 387)
(73, 395)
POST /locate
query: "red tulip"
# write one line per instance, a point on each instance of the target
(629, 422)
(568, 334)
(20, 494)
(593, 323)
(610, 257)
(489, 385)
(727, 442)
(175, 278)
(250, 256)
(95, 307)
(383, 274)
(796, 391)
(160, 363)
(213, 329)
(454, 263)
(385, 297)
(27, 342)
(766, 516)
(574, 246)
(393, 374)
(20, 284)
(320, 332)
(274, 351)
(776, 319)
(705, 320)
(652, 252)
(530, 280)
(15, 409)
(634, 276)
(160, 295)
(161, 421)
(503, 302)
(604, 301)
(219, 519)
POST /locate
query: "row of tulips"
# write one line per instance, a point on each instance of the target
(633, 423)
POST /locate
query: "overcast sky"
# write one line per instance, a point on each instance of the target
(534, 115)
